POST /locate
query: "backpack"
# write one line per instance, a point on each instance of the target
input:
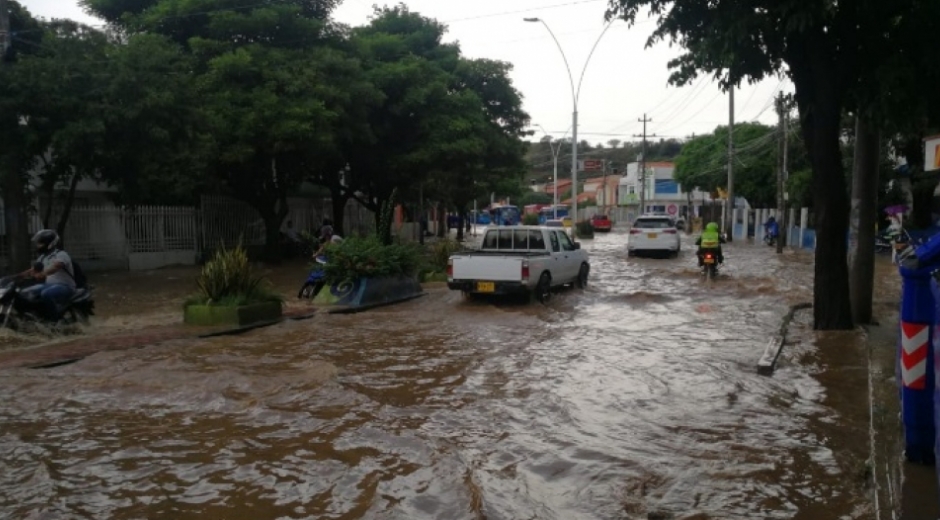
(81, 281)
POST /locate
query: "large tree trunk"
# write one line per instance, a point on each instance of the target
(817, 74)
(442, 230)
(821, 129)
(66, 209)
(863, 220)
(15, 215)
(338, 200)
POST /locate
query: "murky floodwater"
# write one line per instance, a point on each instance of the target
(637, 396)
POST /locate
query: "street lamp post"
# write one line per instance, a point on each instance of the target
(574, 115)
(555, 151)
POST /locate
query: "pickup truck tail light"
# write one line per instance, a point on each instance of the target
(525, 270)
(450, 268)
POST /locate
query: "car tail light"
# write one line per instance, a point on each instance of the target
(450, 268)
(669, 231)
(635, 231)
(525, 270)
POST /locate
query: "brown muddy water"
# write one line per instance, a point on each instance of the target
(637, 398)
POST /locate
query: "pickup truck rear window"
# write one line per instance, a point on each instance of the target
(514, 239)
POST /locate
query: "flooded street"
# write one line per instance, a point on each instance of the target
(637, 398)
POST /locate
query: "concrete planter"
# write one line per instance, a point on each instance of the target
(367, 293)
(210, 315)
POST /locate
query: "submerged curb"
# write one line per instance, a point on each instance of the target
(53, 355)
(768, 361)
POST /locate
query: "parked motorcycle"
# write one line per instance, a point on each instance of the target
(20, 308)
(315, 281)
(709, 263)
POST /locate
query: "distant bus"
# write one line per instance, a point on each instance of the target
(507, 215)
(548, 213)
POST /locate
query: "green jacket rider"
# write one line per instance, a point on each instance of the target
(710, 239)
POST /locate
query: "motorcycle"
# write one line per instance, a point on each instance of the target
(315, 281)
(20, 308)
(890, 240)
(709, 262)
(770, 240)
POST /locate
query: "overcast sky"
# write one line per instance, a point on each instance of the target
(622, 82)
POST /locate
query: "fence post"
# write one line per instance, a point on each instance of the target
(804, 221)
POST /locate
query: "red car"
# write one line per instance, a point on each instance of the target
(601, 223)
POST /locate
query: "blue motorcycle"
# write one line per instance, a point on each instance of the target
(315, 281)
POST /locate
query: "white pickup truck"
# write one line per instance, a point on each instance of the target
(520, 260)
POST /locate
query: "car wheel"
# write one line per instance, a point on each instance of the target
(583, 276)
(543, 290)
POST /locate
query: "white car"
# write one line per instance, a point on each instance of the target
(653, 234)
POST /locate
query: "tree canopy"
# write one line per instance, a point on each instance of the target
(184, 97)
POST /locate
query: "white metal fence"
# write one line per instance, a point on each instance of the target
(149, 237)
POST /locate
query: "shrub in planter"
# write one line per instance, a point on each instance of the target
(230, 291)
(585, 229)
(530, 219)
(368, 257)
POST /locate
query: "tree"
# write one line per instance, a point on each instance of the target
(702, 162)
(825, 48)
(263, 77)
(446, 126)
(15, 160)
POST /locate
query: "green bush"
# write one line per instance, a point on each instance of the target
(229, 279)
(585, 229)
(530, 219)
(357, 257)
(440, 253)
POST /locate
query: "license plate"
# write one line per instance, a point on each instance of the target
(651, 235)
(709, 260)
(486, 287)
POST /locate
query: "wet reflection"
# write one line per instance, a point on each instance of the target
(634, 397)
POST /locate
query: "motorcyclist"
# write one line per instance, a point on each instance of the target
(771, 229)
(710, 240)
(334, 239)
(54, 270)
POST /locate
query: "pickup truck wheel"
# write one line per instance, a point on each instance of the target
(583, 276)
(543, 290)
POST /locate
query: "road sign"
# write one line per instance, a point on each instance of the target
(672, 209)
(592, 165)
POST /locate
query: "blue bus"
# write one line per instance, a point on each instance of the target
(548, 213)
(506, 215)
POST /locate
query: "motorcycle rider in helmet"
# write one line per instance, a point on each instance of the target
(771, 230)
(711, 239)
(53, 269)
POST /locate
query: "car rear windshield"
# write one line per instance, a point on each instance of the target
(652, 223)
(600, 217)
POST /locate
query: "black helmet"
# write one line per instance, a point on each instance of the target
(45, 240)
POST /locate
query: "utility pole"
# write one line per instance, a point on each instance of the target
(782, 146)
(641, 173)
(729, 212)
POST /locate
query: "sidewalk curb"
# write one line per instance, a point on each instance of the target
(768, 361)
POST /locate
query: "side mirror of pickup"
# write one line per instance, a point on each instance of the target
(577, 245)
